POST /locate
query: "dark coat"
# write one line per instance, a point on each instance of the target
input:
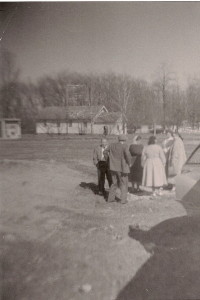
(119, 157)
(136, 170)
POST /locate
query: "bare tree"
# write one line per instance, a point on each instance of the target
(176, 110)
(123, 86)
(165, 77)
(193, 102)
(9, 75)
(63, 89)
(9, 72)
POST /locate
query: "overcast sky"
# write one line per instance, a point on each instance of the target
(126, 37)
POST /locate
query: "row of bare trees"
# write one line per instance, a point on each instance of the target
(161, 102)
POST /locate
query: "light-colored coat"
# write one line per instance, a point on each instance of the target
(97, 155)
(153, 160)
(177, 156)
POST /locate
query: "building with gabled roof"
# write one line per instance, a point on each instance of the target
(78, 120)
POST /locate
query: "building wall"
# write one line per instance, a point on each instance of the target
(74, 128)
(10, 129)
(80, 127)
(116, 128)
(63, 127)
(144, 129)
(50, 127)
(77, 128)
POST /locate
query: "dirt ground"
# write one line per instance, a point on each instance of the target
(59, 240)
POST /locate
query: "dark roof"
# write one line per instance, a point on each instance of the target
(70, 112)
(109, 117)
(10, 119)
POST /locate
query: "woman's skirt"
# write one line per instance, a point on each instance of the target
(154, 173)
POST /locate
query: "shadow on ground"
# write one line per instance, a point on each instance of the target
(173, 270)
(139, 193)
(30, 270)
(94, 188)
(90, 186)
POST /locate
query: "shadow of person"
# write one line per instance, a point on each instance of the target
(173, 270)
(90, 186)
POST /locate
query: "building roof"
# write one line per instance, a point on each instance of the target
(10, 119)
(70, 112)
(108, 117)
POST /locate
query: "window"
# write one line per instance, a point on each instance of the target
(85, 124)
(70, 123)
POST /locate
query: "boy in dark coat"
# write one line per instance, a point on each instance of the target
(120, 161)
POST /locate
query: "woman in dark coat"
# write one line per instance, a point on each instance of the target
(136, 171)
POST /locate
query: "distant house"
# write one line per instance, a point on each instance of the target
(144, 129)
(10, 128)
(78, 120)
(113, 121)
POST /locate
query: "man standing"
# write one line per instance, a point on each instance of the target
(120, 163)
(100, 159)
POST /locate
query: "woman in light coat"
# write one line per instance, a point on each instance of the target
(167, 146)
(153, 160)
(177, 155)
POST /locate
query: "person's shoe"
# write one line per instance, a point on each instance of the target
(160, 192)
(105, 195)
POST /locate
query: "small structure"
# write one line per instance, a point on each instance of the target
(10, 128)
(144, 129)
(78, 120)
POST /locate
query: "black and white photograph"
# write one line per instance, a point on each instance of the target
(100, 150)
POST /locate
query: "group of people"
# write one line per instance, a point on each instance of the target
(148, 166)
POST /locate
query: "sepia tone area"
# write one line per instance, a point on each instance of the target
(76, 77)
(59, 240)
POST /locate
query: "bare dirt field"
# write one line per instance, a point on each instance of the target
(59, 240)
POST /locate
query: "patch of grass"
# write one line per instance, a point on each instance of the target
(67, 148)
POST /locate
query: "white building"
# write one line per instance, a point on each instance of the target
(10, 128)
(78, 120)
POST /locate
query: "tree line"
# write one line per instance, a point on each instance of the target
(140, 102)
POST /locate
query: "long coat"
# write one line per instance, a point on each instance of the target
(119, 157)
(167, 146)
(177, 156)
(153, 159)
(136, 169)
